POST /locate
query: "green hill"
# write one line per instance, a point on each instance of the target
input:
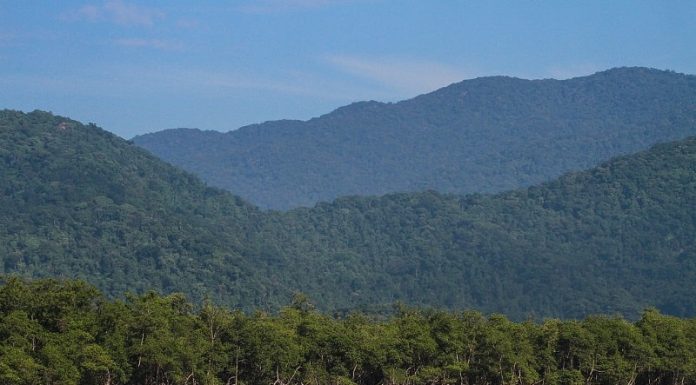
(77, 201)
(617, 238)
(483, 135)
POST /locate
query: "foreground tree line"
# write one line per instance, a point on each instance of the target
(66, 332)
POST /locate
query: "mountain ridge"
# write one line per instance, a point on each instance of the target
(80, 202)
(481, 135)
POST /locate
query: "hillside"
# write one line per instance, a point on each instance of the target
(617, 238)
(483, 135)
(78, 201)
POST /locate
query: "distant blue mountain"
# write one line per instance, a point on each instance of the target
(482, 135)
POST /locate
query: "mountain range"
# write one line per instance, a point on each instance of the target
(483, 135)
(77, 201)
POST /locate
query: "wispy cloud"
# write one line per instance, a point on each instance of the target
(128, 80)
(571, 71)
(296, 83)
(411, 76)
(165, 45)
(271, 6)
(116, 11)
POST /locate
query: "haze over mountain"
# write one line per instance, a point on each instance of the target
(78, 201)
(482, 135)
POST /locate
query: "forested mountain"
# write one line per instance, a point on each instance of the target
(614, 239)
(77, 201)
(483, 135)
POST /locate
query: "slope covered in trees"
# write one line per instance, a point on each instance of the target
(616, 238)
(77, 201)
(482, 135)
(67, 333)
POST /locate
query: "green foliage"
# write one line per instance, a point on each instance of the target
(79, 202)
(167, 340)
(482, 135)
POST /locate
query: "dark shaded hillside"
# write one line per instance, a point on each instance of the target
(79, 202)
(482, 135)
(614, 239)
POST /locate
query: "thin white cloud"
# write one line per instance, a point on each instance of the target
(165, 45)
(295, 83)
(128, 80)
(116, 11)
(571, 71)
(271, 6)
(403, 75)
(87, 12)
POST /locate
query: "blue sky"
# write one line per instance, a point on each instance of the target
(141, 66)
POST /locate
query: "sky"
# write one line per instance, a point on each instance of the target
(134, 67)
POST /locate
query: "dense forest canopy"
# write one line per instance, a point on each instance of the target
(66, 332)
(77, 201)
(483, 135)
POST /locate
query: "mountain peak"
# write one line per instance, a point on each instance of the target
(481, 135)
(84, 203)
